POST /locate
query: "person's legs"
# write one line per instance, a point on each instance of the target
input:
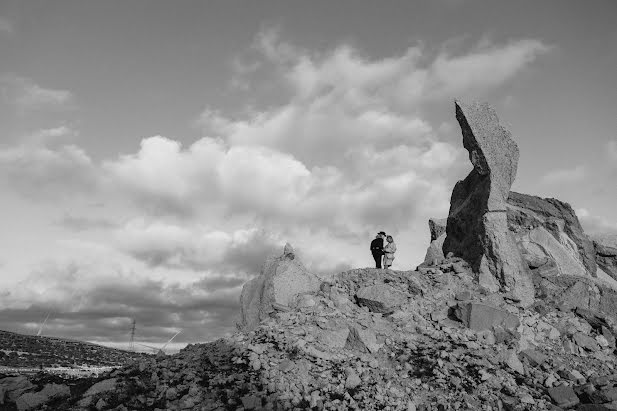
(377, 258)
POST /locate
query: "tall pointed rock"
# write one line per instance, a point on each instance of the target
(477, 226)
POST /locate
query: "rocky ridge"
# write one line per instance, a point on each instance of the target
(428, 339)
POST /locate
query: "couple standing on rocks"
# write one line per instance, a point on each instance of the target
(380, 251)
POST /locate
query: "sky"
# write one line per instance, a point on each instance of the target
(154, 153)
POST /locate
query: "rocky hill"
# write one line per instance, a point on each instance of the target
(30, 351)
(512, 309)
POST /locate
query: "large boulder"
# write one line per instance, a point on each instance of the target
(526, 212)
(31, 400)
(479, 316)
(13, 387)
(281, 280)
(605, 246)
(381, 298)
(477, 225)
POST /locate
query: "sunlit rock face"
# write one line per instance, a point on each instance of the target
(531, 218)
(281, 280)
(605, 247)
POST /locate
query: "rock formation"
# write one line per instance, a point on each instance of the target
(477, 225)
(281, 280)
(434, 253)
(606, 253)
(528, 215)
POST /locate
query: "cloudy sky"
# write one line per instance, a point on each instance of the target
(152, 153)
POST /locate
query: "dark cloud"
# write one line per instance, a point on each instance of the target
(204, 310)
(177, 247)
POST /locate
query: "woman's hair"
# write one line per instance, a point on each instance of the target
(389, 238)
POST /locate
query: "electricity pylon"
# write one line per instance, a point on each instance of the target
(132, 340)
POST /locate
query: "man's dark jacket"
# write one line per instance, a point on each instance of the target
(377, 246)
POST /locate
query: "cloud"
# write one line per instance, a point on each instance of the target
(50, 135)
(349, 151)
(6, 25)
(593, 224)
(27, 95)
(40, 172)
(611, 150)
(88, 302)
(565, 176)
(76, 223)
(173, 246)
(405, 79)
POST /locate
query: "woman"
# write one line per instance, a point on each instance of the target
(389, 251)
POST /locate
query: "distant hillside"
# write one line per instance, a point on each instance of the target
(30, 351)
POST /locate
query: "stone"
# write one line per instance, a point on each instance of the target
(528, 212)
(463, 296)
(512, 361)
(610, 393)
(363, 340)
(593, 407)
(534, 357)
(585, 341)
(437, 227)
(31, 400)
(477, 227)
(101, 404)
(478, 316)
(539, 244)
(250, 402)
(605, 246)
(580, 378)
(595, 319)
(381, 298)
(434, 253)
(333, 339)
(288, 251)
(13, 387)
(101, 387)
(171, 394)
(286, 365)
(281, 280)
(563, 396)
(353, 380)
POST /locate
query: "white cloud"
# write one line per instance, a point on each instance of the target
(406, 79)
(348, 152)
(565, 175)
(27, 95)
(49, 135)
(593, 224)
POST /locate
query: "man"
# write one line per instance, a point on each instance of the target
(377, 248)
